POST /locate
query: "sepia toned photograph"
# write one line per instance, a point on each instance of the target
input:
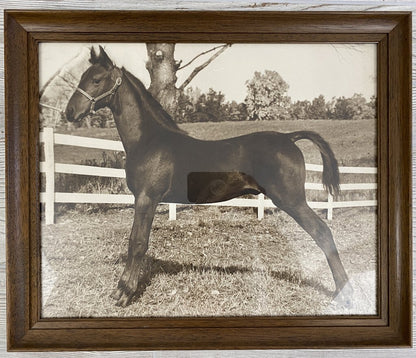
(202, 180)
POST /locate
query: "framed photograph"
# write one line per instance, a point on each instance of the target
(208, 180)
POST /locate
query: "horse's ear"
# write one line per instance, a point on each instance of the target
(94, 57)
(104, 59)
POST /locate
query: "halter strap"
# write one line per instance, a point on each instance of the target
(94, 100)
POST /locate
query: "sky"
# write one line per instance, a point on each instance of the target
(333, 70)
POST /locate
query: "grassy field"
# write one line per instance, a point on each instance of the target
(353, 142)
(213, 261)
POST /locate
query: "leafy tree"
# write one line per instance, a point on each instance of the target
(267, 97)
(195, 106)
(193, 94)
(184, 107)
(354, 108)
(301, 110)
(242, 112)
(330, 108)
(236, 111)
(358, 107)
(342, 109)
(215, 105)
(317, 108)
(211, 107)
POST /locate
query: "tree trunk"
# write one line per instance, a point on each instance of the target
(162, 68)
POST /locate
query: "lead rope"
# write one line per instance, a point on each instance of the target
(100, 97)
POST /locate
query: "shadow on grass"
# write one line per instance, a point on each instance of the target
(156, 266)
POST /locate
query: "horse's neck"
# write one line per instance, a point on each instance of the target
(137, 114)
(130, 120)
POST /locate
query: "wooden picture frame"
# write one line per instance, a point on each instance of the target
(24, 30)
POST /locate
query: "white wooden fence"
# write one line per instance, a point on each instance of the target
(49, 167)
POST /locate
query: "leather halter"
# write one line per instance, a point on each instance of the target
(94, 100)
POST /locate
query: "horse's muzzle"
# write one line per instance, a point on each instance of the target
(72, 115)
(69, 114)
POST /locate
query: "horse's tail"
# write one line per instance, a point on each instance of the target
(330, 174)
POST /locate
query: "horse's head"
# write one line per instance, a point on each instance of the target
(96, 87)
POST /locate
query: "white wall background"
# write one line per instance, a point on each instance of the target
(264, 5)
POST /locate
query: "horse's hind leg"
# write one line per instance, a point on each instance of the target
(322, 235)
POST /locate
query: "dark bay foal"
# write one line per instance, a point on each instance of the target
(164, 164)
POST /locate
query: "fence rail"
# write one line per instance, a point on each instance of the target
(49, 167)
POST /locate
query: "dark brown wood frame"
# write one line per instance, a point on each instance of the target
(390, 327)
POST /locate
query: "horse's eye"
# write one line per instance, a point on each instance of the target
(96, 80)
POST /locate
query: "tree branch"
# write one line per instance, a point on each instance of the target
(201, 54)
(205, 64)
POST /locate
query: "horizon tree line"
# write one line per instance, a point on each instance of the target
(267, 99)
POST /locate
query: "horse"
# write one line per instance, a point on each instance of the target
(165, 164)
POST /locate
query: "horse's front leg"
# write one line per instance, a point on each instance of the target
(135, 272)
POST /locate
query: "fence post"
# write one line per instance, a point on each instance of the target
(260, 206)
(49, 175)
(330, 206)
(172, 211)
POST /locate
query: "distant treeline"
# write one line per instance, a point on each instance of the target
(355, 107)
(194, 106)
(267, 99)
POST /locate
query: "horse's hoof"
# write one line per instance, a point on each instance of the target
(344, 297)
(124, 300)
(116, 294)
(122, 297)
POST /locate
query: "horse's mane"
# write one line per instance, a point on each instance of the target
(150, 105)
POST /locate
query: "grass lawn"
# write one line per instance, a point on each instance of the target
(353, 142)
(211, 261)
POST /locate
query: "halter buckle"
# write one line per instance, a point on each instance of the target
(92, 110)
